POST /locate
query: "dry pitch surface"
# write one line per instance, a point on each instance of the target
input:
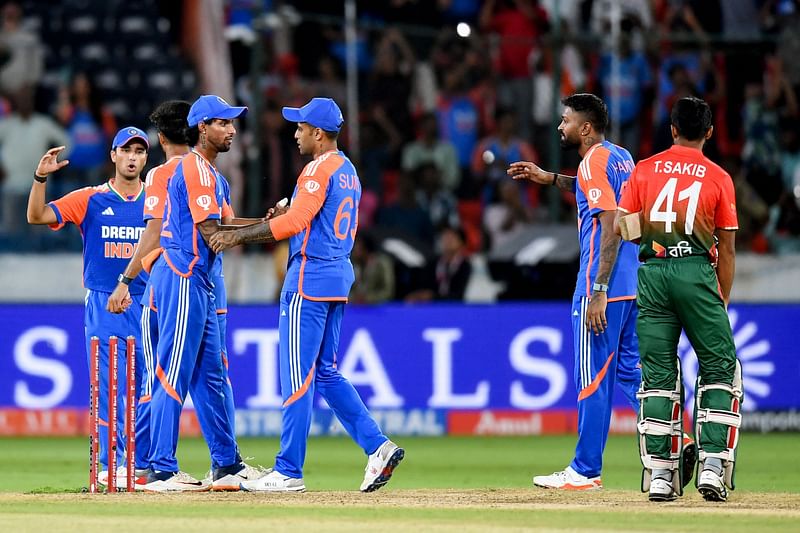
(400, 510)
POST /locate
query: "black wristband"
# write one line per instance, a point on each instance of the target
(125, 280)
(555, 178)
(39, 178)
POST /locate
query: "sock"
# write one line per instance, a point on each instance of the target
(714, 464)
(662, 473)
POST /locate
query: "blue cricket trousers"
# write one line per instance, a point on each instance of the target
(601, 361)
(309, 340)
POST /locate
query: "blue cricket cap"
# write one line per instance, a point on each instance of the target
(209, 107)
(127, 134)
(321, 113)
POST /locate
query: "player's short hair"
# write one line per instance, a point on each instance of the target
(692, 117)
(169, 118)
(331, 135)
(591, 107)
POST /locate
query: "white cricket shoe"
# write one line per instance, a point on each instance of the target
(174, 482)
(274, 481)
(661, 490)
(711, 486)
(227, 481)
(568, 479)
(122, 478)
(381, 465)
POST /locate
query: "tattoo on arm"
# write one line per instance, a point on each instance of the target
(565, 183)
(208, 228)
(260, 232)
(609, 246)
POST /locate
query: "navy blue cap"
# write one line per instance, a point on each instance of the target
(128, 133)
(321, 113)
(210, 106)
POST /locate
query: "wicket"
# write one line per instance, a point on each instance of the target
(94, 413)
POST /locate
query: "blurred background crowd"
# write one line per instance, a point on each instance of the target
(443, 94)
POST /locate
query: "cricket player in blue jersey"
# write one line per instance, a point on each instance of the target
(321, 225)
(604, 302)
(169, 119)
(189, 352)
(110, 219)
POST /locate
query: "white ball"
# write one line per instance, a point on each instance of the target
(488, 157)
(463, 29)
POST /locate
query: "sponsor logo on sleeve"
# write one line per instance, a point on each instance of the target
(204, 202)
(312, 186)
(594, 195)
(151, 201)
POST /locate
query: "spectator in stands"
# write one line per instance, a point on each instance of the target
(627, 91)
(455, 11)
(374, 272)
(765, 103)
(636, 13)
(405, 214)
(438, 202)
(280, 161)
(573, 79)
(679, 85)
(790, 156)
(390, 81)
(21, 54)
(493, 154)
(329, 82)
(429, 148)
(458, 121)
(24, 136)
(90, 127)
(518, 24)
(506, 218)
(789, 42)
(452, 270)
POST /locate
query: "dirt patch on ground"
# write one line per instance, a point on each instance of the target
(774, 504)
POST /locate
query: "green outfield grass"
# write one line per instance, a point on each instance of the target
(444, 483)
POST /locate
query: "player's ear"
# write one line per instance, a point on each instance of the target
(113, 154)
(674, 132)
(710, 132)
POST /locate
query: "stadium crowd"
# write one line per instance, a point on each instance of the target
(443, 108)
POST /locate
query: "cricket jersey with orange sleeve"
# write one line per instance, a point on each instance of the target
(321, 227)
(609, 360)
(319, 265)
(189, 354)
(155, 188)
(110, 225)
(194, 195)
(683, 197)
(601, 178)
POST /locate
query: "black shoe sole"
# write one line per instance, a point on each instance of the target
(689, 463)
(712, 494)
(386, 474)
(662, 498)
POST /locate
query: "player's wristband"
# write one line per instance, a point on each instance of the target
(555, 178)
(125, 280)
(600, 287)
(39, 178)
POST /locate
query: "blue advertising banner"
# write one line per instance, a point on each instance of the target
(401, 358)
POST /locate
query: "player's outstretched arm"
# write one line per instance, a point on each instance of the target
(260, 232)
(525, 170)
(38, 211)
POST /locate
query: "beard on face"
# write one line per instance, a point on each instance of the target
(566, 143)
